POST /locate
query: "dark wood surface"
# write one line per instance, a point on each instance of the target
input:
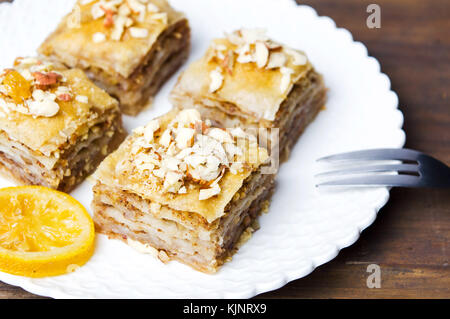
(410, 238)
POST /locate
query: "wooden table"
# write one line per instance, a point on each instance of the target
(409, 240)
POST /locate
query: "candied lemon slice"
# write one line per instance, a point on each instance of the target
(43, 232)
(17, 87)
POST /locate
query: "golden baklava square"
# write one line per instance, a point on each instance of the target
(55, 124)
(183, 189)
(248, 80)
(127, 47)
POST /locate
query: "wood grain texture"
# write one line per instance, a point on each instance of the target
(410, 238)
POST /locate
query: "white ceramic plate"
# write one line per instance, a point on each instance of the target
(304, 228)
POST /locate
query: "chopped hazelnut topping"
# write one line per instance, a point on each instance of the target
(185, 137)
(26, 62)
(64, 93)
(216, 80)
(119, 28)
(262, 54)
(285, 79)
(82, 99)
(120, 15)
(228, 62)
(43, 104)
(138, 32)
(236, 168)
(136, 6)
(65, 97)
(109, 17)
(98, 37)
(298, 58)
(27, 75)
(150, 130)
(220, 135)
(238, 132)
(186, 151)
(32, 88)
(161, 16)
(188, 116)
(276, 60)
(45, 79)
(124, 10)
(209, 192)
(253, 46)
(166, 138)
(152, 8)
(97, 11)
(245, 54)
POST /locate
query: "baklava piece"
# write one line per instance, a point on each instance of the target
(55, 124)
(127, 47)
(248, 80)
(183, 190)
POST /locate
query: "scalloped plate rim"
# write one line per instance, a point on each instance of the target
(55, 292)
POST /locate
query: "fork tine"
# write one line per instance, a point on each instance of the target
(379, 180)
(378, 154)
(406, 168)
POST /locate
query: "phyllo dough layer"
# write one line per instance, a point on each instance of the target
(248, 80)
(183, 189)
(55, 124)
(128, 47)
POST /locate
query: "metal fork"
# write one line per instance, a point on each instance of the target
(415, 170)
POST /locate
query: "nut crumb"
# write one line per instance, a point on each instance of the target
(216, 80)
(82, 99)
(98, 37)
(138, 32)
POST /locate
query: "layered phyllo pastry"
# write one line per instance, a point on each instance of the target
(128, 47)
(248, 80)
(183, 189)
(55, 124)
